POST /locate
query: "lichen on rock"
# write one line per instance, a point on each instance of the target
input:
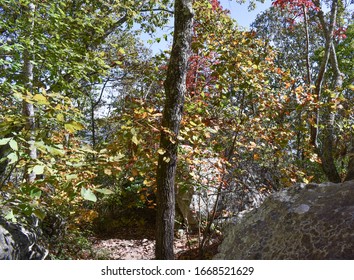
(311, 222)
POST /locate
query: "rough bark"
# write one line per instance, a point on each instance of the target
(175, 88)
(4, 151)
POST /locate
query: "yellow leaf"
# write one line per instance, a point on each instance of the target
(73, 126)
(135, 140)
(161, 151)
(166, 159)
(41, 99)
(121, 51)
(148, 183)
(107, 171)
(60, 117)
(189, 161)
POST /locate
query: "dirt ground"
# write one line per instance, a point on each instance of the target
(130, 249)
(137, 247)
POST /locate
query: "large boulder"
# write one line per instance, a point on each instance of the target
(19, 243)
(314, 221)
(242, 190)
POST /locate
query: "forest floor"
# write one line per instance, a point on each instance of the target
(139, 244)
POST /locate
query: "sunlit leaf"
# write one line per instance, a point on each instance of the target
(135, 140)
(87, 194)
(107, 171)
(148, 183)
(4, 141)
(40, 99)
(10, 216)
(70, 177)
(104, 191)
(121, 51)
(13, 144)
(38, 169)
(12, 157)
(73, 126)
(55, 152)
(60, 117)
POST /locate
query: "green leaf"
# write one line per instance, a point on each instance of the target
(41, 146)
(12, 157)
(38, 169)
(35, 193)
(104, 191)
(40, 214)
(55, 151)
(4, 141)
(13, 145)
(10, 216)
(70, 177)
(87, 194)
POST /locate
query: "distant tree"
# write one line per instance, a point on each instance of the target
(308, 41)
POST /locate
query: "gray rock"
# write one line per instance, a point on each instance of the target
(19, 243)
(311, 222)
(243, 190)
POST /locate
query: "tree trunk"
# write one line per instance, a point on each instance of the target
(28, 108)
(4, 151)
(175, 88)
(326, 150)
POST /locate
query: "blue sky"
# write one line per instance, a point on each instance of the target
(238, 11)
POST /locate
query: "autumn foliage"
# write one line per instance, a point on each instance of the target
(262, 108)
